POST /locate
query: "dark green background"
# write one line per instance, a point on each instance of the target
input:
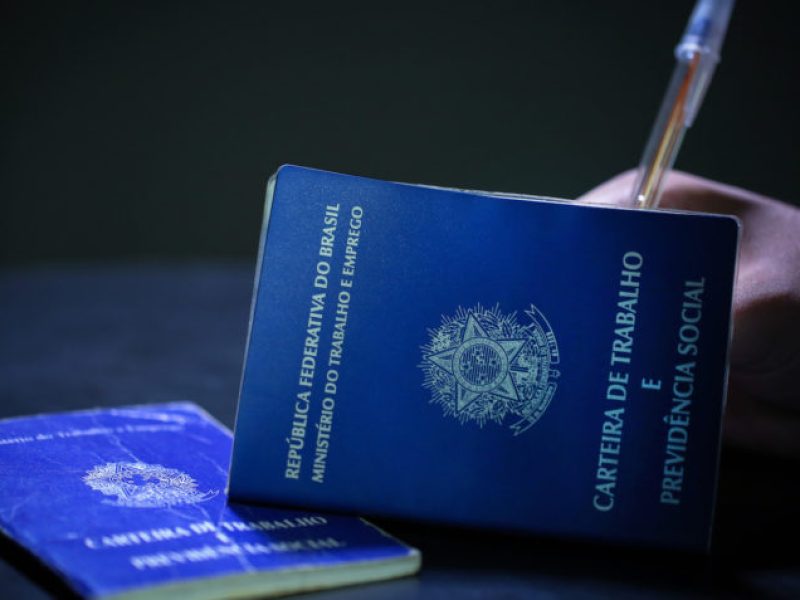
(148, 129)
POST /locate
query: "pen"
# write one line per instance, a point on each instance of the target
(697, 55)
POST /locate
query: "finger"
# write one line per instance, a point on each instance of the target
(614, 192)
(681, 191)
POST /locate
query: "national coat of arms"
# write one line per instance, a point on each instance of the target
(142, 485)
(482, 365)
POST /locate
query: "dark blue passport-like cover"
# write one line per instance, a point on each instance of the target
(490, 361)
(120, 501)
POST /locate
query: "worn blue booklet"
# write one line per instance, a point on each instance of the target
(131, 503)
(486, 360)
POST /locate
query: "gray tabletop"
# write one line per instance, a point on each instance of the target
(79, 336)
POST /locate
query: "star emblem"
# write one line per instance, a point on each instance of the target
(480, 365)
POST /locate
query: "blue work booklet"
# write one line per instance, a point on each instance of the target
(486, 360)
(130, 503)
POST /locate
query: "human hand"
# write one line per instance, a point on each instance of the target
(763, 410)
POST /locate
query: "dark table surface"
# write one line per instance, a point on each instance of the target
(80, 336)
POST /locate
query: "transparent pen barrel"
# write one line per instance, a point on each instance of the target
(666, 136)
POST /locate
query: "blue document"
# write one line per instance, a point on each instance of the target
(486, 360)
(130, 503)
